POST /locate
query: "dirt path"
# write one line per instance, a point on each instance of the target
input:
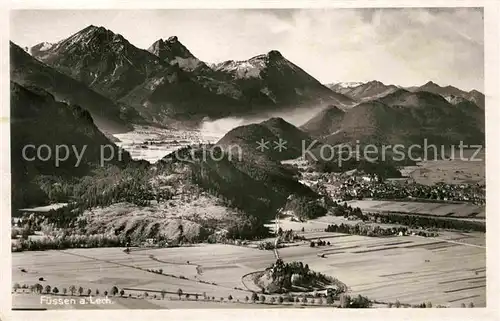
(159, 291)
(253, 287)
(199, 268)
(142, 269)
(101, 260)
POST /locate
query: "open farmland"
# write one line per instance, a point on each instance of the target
(448, 270)
(102, 268)
(469, 170)
(318, 225)
(462, 210)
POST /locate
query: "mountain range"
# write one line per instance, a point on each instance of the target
(95, 83)
(363, 91)
(359, 91)
(122, 84)
(167, 82)
(401, 117)
(453, 94)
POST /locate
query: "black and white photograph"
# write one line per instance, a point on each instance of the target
(248, 158)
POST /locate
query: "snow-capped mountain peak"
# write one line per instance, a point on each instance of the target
(174, 52)
(253, 67)
(242, 69)
(349, 84)
(45, 46)
(40, 48)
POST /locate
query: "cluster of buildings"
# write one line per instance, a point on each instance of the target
(360, 188)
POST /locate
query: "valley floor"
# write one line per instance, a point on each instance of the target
(164, 141)
(469, 170)
(442, 209)
(447, 270)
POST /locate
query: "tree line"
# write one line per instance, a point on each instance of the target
(430, 222)
(71, 290)
(412, 221)
(366, 230)
(64, 241)
(305, 208)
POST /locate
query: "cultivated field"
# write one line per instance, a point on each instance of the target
(455, 171)
(448, 270)
(102, 268)
(462, 210)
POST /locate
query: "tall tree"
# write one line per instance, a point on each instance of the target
(72, 289)
(114, 291)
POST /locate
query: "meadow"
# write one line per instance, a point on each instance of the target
(469, 170)
(462, 210)
(447, 270)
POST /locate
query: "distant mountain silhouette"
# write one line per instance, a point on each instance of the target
(403, 117)
(364, 91)
(449, 92)
(167, 82)
(374, 89)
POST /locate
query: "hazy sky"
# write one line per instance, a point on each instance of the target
(396, 46)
